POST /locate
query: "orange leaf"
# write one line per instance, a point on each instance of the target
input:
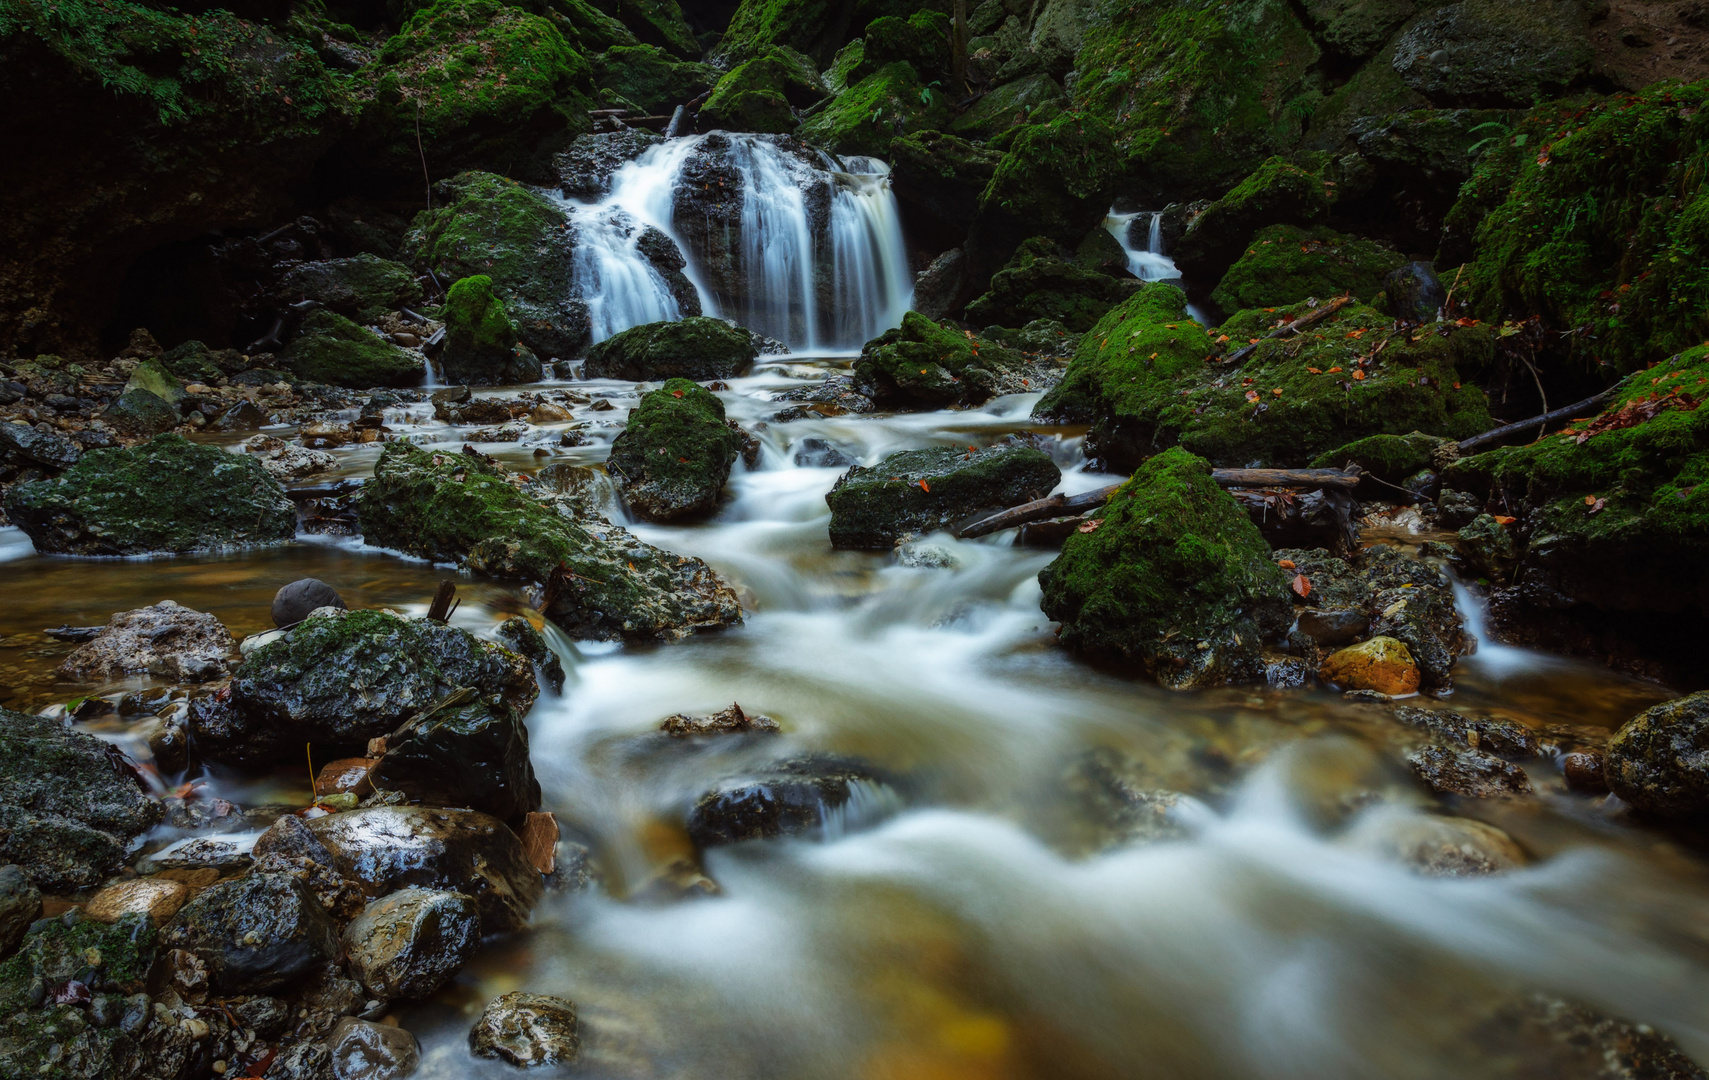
(1590, 500)
(1503, 519)
(1465, 322)
(676, 393)
(1221, 338)
(1359, 376)
(1089, 526)
(1302, 585)
(1251, 395)
(1277, 391)
(1286, 564)
(1334, 369)
(925, 487)
(1315, 371)
(1251, 341)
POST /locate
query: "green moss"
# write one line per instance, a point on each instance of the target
(363, 287)
(757, 94)
(675, 453)
(1055, 180)
(865, 117)
(1375, 89)
(1598, 221)
(923, 363)
(1389, 457)
(657, 22)
(698, 347)
(1285, 265)
(1039, 283)
(652, 78)
(479, 336)
(921, 40)
(812, 27)
(1278, 191)
(589, 29)
(331, 349)
(1036, 99)
(168, 494)
(1175, 581)
(917, 491)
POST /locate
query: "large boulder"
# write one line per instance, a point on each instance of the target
(814, 27)
(411, 942)
(1489, 53)
(473, 754)
(650, 78)
(1659, 760)
(254, 933)
(600, 581)
(481, 343)
(1033, 99)
(1285, 264)
(937, 179)
(1040, 283)
(331, 349)
(341, 678)
(762, 93)
(924, 364)
(70, 804)
(1173, 580)
(1056, 181)
(1278, 192)
(693, 348)
(168, 494)
(585, 169)
(387, 848)
(168, 640)
(362, 287)
(675, 454)
(917, 491)
(864, 118)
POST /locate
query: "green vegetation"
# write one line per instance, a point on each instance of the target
(333, 350)
(917, 491)
(675, 454)
(480, 339)
(864, 118)
(1039, 283)
(1286, 264)
(757, 94)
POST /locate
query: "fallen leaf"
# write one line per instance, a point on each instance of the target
(1315, 371)
(678, 393)
(1589, 500)
(925, 487)
(1251, 395)
(1277, 391)
(1359, 376)
(1302, 585)
(1334, 369)
(1596, 507)
(1089, 526)
(1503, 519)
(1285, 564)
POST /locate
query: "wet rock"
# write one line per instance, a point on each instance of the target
(1335, 626)
(527, 1030)
(303, 1060)
(254, 933)
(168, 641)
(1172, 578)
(71, 1003)
(585, 169)
(362, 1050)
(20, 905)
(1659, 760)
(917, 491)
(1288, 672)
(166, 495)
(291, 838)
(796, 796)
(472, 754)
(362, 287)
(938, 179)
(286, 461)
(169, 744)
(1414, 293)
(732, 721)
(1485, 53)
(675, 454)
(341, 678)
(1040, 282)
(205, 854)
(600, 581)
(155, 897)
(410, 943)
(139, 412)
(70, 804)
(923, 364)
(386, 848)
(1381, 664)
(1464, 771)
(1493, 735)
(1586, 771)
(1486, 549)
(697, 348)
(331, 349)
(815, 453)
(481, 342)
(1457, 509)
(1122, 808)
(1567, 1041)
(1436, 846)
(523, 640)
(937, 288)
(293, 603)
(1278, 192)
(22, 446)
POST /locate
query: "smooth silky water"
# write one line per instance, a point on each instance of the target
(966, 923)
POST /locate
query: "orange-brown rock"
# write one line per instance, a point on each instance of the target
(1381, 664)
(352, 775)
(159, 898)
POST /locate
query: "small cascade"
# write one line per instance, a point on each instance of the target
(1149, 263)
(802, 249)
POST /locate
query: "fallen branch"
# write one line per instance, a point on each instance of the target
(1317, 316)
(1068, 505)
(1565, 412)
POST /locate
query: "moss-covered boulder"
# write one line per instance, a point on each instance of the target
(651, 78)
(675, 454)
(488, 84)
(1056, 180)
(938, 179)
(1277, 192)
(522, 240)
(699, 347)
(1487, 52)
(656, 22)
(70, 806)
(917, 491)
(167, 495)
(331, 349)
(42, 1037)
(1035, 99)
(816, 28)
(1142, 380)
(921, 40)
(1041, 283)
(923, 364)
(864, 118)
(1355, 29)
(1659, 760)
(140, 412)
(600, 581)
(1174, 580)
(1285, 264)
(482, 345)
(1388, 457)
(761, 94)
(362, 287)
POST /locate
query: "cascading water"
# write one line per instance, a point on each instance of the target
(1147, 263)
(813, 256)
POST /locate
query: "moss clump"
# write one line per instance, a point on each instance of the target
(601, 582)
(674, 455)
(1388, 457)
(1285, 265)
(480, 340)
(168, 494)
(487, 82)
(58, 1042)
(518, 238)
(865, 117)
(1596, 217)
(1175, 581)
(916, 491)
(813, 27)
(1036, 99)
(921, 40)
(698, 347)
(925, 364)
(1055, 180)
(761, 94)
(1039, 283)
(938, 179)
(1278, 191)
(331, 349)
(650, 77)
(65, 948)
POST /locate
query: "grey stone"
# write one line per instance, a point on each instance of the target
(362, 1050)
(293, 603)
(254, 933)
(410, 943)
(20, 905)
(527, 1030)
(167, 640)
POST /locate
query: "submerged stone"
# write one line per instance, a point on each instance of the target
(785, 798)
(527, 1031)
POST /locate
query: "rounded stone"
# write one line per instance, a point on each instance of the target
(527, 1030)
(362, 1050)
(1382, 664)
(409, 944)
(293, 602)
(1659, 760)
(155, 897)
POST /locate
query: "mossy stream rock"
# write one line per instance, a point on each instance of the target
(341, 678)
(39, 1038)
(361, 287)
(923, 364)
(482, 345)
(1285, 264)
(474, 755)
(760, 94)
(70, 804)
(1659, 760)
(331, 349)
(675, 454)
(1176, 581)
(601, 581)
(1278, 192)
(651, 78)
(917, 491)
(864, 118)
(168, 494)
(1039, 283)
(698, 347)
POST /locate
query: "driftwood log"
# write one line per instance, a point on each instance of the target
(1553, 416)
(1068, 505)
(1322, 312)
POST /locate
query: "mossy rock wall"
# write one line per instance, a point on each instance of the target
(864, 118)
(1055, 180)
(1286, 264)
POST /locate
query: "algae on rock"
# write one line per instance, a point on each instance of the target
(331, 349)
(675, 454)
(481, 343)
(917, 491)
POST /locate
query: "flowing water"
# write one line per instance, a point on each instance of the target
(966, 922)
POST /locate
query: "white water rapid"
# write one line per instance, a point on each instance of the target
(813, 256)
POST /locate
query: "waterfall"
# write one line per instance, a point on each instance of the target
(1149, 264)
(805, 250)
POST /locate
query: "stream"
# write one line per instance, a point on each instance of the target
(964, 923)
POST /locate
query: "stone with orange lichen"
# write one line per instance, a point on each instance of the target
(1381, 664)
